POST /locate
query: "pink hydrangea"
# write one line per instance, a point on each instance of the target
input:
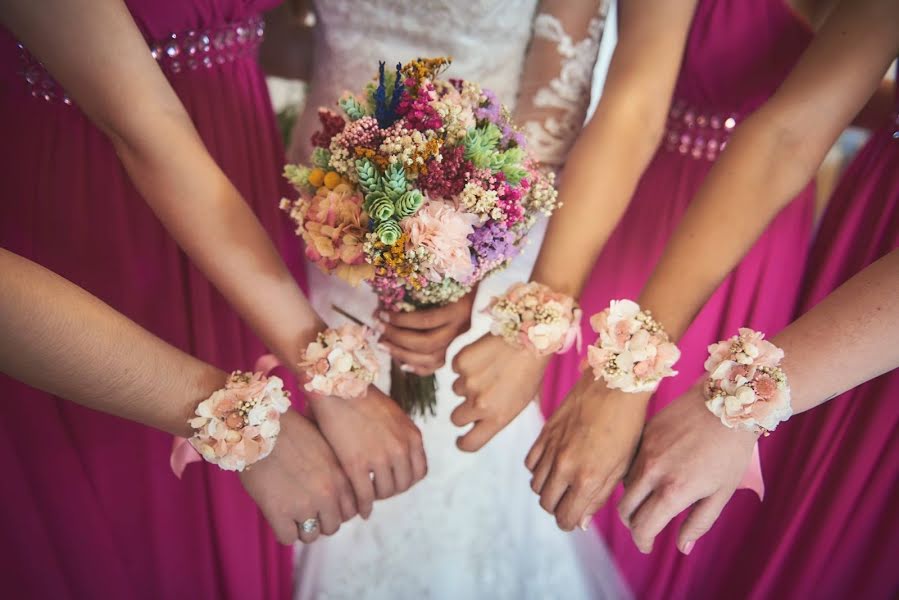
(442, 230)
(746, 388)
(632, 352)
(239, 424)
(340, 362)
(531, 315)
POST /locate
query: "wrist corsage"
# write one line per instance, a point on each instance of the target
(239, 424)
(532, 316)
(746, 387)
(340, 362)
(632, 353)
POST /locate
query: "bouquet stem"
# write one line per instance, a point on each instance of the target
(416, 394)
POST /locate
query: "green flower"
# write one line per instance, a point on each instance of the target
(298, 176)
(352, 107)
(388, 232)
(321, 158)
(379, 206)
(409, 203)
(480, 144)
(369, 179)
(394, 181)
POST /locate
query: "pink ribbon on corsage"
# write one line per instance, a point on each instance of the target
(752, 478)
(182, 452)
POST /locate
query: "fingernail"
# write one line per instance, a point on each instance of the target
(688, 547)
(407, 369)
(384, 316)
(383, 348)
(585, 522)
(379, 326)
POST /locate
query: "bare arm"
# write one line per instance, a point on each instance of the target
(845, 340)
(606, 162)
(59, 338)
(772, 156)
(601, 173)
(126, 95)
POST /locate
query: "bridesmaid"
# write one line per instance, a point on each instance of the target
(833, 529)
(687, 461)
(734, 57)
(104, 194)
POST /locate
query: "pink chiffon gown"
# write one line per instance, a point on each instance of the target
(831, 527)
(90, 507)
(737, 54)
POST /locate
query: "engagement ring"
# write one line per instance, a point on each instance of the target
(309, 525)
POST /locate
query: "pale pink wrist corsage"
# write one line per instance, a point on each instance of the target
(340, 362)
(746, 387)
(239, 424)
(633, 352)
(532, 316)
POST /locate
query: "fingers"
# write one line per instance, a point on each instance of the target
(423, 342)
(465, 414)
(702, 516)
(582, 499)
(364, 489)
(310, 534)
(402, 473)
(662, 505)
(346, 500)
(329, 519)
(635, 493)
(459, 388)
(424, 319)
(556, 485)
(478, 436)
(286, 530)
(419, 462)
(541, 471)
(536, 452)
(384, 484)
(594, 505)
(415, 362)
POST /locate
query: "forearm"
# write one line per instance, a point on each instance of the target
(209, 219)
(126, 95)
(600, 177)
(846, 339)
(750, 184)
(771, 157)
(605, 165)
(59, 338)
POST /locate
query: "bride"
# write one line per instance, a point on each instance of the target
(468, 530)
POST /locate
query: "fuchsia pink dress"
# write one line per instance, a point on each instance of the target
(829, 527)
(737, 54)
(90, 508)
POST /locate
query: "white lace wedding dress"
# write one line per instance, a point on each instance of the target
(472, 528)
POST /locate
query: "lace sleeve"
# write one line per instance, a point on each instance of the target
(558, 70)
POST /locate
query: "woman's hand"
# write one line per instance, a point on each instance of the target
(687, 458)
(497, 381)
(377, 444)
(301, 479)
(585, 449)
(418, 340)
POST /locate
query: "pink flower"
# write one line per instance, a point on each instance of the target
(443, 231)
(765, 387)
(340, 362)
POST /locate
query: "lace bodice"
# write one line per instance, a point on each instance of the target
(489, 42)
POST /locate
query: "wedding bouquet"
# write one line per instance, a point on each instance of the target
(420, 186)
